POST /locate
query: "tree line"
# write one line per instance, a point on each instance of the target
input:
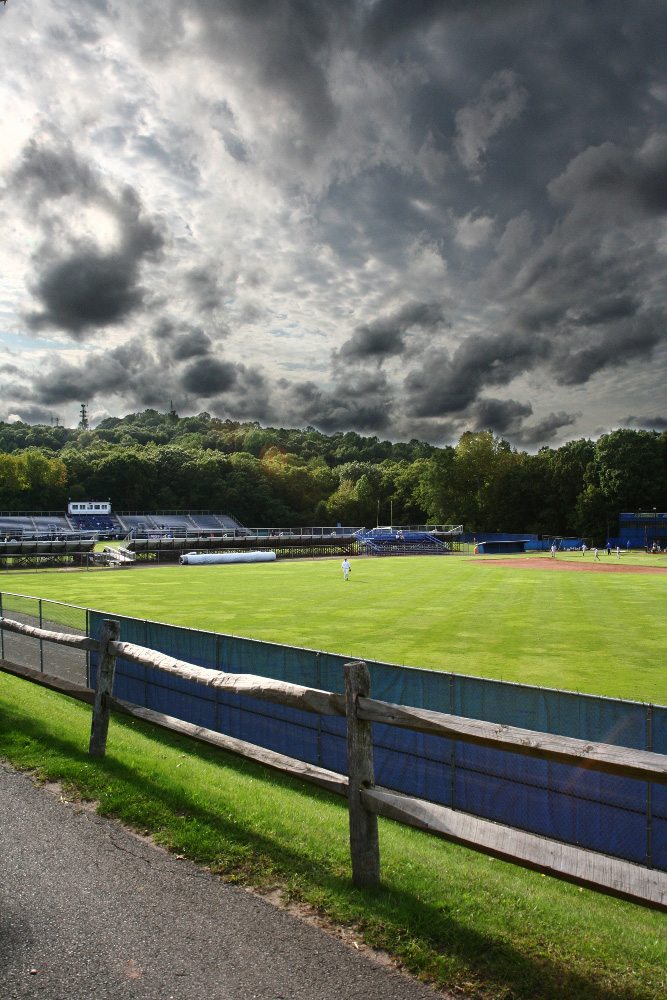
(282, 477)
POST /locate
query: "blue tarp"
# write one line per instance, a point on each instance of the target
(616, 816)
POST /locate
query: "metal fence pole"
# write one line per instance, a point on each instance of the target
(87, 651)
(452, 747)
(41, 641)
(649, 790)
(215, 690)
(145, 668)
(318, 664)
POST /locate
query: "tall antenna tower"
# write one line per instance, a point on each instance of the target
(83, 422)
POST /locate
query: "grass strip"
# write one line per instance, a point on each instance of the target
(449, 915)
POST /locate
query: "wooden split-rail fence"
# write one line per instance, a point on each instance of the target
(366, 801)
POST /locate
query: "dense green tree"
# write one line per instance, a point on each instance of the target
(281, 476)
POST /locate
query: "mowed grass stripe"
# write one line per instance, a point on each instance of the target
(594, 632)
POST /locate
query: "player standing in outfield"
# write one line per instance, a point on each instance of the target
(597, 555)
(618, 551)
(583, 549)
(345, 566)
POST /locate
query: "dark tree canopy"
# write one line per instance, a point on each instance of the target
(269, 476)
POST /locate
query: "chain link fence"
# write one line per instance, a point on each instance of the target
(47, 657)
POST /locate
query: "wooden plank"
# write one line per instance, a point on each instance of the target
(279, 692)
(621, 879)
(62, 638)
(623, 761)
(320, 776)
(364, 842)
(70, 688)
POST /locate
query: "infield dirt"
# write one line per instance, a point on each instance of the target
(585, 566)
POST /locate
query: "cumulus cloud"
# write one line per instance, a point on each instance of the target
(447, 384)
(385, 336)
(617, 174)
(361, 403)
(208, 377)
(500, 102)
(656, 423)
(193, 344)
(79, 283)
(472, 231)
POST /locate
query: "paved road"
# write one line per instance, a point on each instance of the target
(98, 913)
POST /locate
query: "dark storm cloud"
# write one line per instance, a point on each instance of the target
(544, 430)
(384, 337)
(248, 399)
(163, 330)
(52, 170)
(87, 289)
(389, 20)
(447, 385)
(612, 172)
(207, 377)
(204, 283)
(615, 348)
(500, 415)
(80, 286)
(31, 414)
(194, 344)
(284, 45)
(648, 423)
(609, 309)
(107, 373)
(362, 404)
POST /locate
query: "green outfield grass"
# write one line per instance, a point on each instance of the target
(598, 632)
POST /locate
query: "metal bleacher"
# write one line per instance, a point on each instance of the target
(51, 524)
(178, 524)
(401, 541)
(16, 527)
(137, 522)
(207, 522)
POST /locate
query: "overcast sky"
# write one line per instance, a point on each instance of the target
(408, 218)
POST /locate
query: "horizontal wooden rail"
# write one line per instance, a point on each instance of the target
(61, 638)
(250, 685)
(621, 761)
(300, 769)
(600, 872)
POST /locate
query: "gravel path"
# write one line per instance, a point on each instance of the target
(89, 910)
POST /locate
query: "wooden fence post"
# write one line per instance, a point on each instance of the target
(106, 667)
(364, 842)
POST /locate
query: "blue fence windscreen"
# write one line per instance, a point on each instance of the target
(622, 817)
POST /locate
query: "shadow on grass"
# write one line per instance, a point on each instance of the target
(391, 917)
